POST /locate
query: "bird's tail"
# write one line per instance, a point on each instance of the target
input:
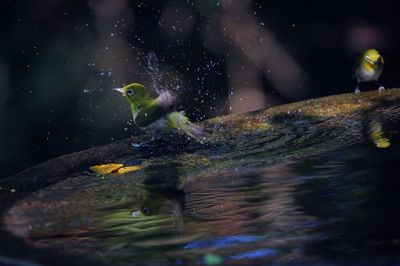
(180, 121)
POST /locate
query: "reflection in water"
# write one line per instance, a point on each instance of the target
(161, 187)
(341, 204)
(259, 206)
(358, 205)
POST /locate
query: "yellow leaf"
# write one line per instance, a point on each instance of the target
(128, 169)
(108, 168)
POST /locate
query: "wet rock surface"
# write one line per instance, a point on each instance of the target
(250, 184)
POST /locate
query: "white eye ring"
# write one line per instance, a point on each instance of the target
(129, 92)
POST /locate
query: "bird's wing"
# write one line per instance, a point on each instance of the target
(151, 110)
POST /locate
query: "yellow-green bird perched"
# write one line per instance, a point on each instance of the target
(369, 68)
(155, 115)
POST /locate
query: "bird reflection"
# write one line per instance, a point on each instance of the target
(161, 184)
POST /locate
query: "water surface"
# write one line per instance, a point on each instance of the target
(335, 207)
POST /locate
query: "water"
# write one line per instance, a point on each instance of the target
(161, 79)
(338, 207)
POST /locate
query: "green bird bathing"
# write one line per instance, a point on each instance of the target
(156, 115)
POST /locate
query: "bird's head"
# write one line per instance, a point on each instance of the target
(372, 57)
(135, 93)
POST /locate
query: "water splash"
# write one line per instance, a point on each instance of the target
(152, 68)
(161, 80)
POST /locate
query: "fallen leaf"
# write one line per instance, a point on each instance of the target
(114, 168)
(108, 168)
(128, 169)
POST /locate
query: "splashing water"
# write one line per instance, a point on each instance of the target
(160, 80)
(152, 68)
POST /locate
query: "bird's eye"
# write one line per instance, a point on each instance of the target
(129, 92)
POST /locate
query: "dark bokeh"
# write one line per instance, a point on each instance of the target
(60, 59)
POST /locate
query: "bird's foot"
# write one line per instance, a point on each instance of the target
(143, 144)
(357, 91)
(140, 145)
(381, 89)
(136, 145)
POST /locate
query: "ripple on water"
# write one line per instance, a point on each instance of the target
(339, 204)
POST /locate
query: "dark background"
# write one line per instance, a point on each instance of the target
(60, 59)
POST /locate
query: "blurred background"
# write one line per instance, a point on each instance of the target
(60, 59)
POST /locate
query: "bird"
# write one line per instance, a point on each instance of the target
(369, 68)
(156, 115)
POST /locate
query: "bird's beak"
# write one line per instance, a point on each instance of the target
(121, 90)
